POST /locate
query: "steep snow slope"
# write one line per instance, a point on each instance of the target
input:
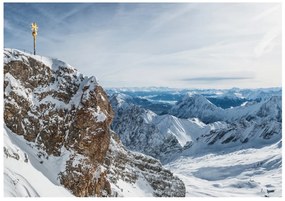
(197, 106)
(60, 120)
(23, 171)
(34, 170)
(244, 172)
(184, 130)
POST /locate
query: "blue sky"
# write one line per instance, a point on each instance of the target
(186, 45)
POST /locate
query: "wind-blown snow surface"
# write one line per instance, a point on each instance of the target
(246, 172)
(23, 171)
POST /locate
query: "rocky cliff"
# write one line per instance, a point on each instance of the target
(64, 115)
(142, 130)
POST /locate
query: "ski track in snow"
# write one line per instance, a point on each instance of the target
(249, 172)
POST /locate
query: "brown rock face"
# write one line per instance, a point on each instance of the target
(32, 93)
(57, 108)
(80, 179)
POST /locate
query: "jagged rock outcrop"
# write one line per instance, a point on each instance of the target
(62, 113)
(144, 131)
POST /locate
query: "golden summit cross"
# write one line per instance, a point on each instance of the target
(34, 33)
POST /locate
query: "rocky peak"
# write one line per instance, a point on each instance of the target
(42, 100)
(271, 108)
(196, 106)
(65, 115)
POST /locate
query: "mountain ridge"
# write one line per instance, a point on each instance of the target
(64, 118)
(255, 122)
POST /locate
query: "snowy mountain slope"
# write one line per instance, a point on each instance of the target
(24, 182)
(240, 155)
(245, 172)
(137, 131)
(197, 106)
(61, 120)
(166, 137)
(160, 136)
(134, 174)
(184, 130)
(28, 180)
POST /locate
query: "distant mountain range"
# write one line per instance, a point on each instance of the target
(193, 127)
(160, 100)
(194, 120)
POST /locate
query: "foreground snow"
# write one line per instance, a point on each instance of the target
(28, 175)
(248, 172)
(23, 172)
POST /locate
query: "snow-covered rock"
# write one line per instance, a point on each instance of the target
(197, 106)
(166, 137)
(138, 129)
(59, 120)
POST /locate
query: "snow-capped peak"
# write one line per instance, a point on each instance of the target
(196, 105)
(18, 55)
(198, 99)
